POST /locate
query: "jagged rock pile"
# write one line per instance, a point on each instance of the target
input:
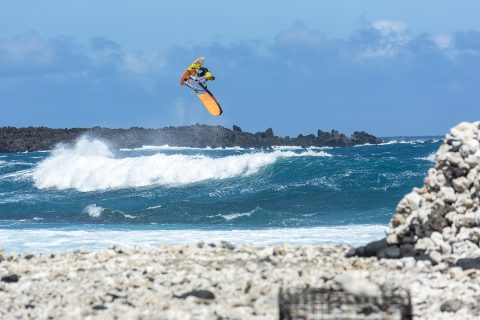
(441, 220)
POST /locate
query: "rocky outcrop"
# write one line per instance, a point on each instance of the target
(441, 220)
(196, 136)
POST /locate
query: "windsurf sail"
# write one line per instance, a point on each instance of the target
(199, 88)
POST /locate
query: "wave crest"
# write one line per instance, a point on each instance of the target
(90, 165)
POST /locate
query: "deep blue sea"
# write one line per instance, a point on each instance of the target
(90, 195)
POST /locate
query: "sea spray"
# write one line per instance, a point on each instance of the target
(93, 210)
(90, 165)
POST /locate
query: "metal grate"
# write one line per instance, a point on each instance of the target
(329, 304)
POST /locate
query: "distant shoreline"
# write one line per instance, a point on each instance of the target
(14, 139)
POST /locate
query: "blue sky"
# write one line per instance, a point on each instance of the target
(387, 67)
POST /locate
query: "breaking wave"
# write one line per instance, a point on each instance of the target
(90, 165)
(430, 157)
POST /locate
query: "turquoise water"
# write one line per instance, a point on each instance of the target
(91, 195)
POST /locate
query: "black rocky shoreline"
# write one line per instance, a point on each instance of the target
(14, 139)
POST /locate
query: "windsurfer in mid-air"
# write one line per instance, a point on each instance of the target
(195, 78)
(198, 73)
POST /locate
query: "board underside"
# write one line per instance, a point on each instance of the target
(210, 103)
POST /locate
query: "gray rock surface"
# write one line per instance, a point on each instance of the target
(218, 282)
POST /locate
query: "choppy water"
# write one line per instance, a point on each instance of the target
(90, 195)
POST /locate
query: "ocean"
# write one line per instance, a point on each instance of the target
(91, 195)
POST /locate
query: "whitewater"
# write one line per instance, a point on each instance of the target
(91, 195)
(90, 166)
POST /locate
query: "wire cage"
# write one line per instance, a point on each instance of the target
(329, 304)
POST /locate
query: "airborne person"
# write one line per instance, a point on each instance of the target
(195, 77)
(204, 75)
(196, 69)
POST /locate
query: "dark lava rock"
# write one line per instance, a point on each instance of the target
(10, 278)
(29, 256)
(382, 250)
(99, 307)
(407, 239)
(351, 253)
(390, 252)
(202, 294)
(227, 245)
(422, 256)
(363, 138)
(407, 250)
(452, 305)
(360, 251)
(199, 136)
(373, 248)
(473, 263)
(268, 259)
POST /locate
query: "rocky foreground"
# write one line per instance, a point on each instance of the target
(216, 282)
(196, 136)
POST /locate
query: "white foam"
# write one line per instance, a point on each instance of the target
(54, 240)
(154, 207)
(300, 148)
(18, 175)
(379, 144)
(90, 165)
(93, 210)
(168, 147)
(430, 157)
(233, 216)
(413, 141)
(14, 163)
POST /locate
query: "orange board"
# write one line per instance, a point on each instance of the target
(210, 103)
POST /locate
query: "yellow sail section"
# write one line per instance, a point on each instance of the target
(192, 69)
(210, 103)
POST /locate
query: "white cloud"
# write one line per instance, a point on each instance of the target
(142, 63)
(299, 33)
(389, 27)
(392, 37)
(26, 50)
(442, 41)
